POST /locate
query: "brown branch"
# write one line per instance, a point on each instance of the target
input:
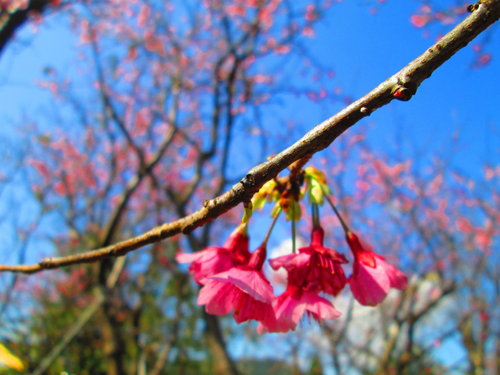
(402, 86)
(11, 22)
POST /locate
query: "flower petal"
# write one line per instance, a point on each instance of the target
(218, 296)
(249, 308)
(200, 256)
(206, 263)
(369, 285)
(290, 261)
(281, 261)
(289, 309)
(319, 307)
(288, 313)
(251, 282)
(397, 278)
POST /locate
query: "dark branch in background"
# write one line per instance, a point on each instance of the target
(403, 85)
(10, 22)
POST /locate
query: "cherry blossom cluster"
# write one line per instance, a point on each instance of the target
(233, 280)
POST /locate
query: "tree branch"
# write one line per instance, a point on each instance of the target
(402, 86)
(11, 22)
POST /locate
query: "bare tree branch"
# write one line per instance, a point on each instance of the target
(403, 85)
(10, 22)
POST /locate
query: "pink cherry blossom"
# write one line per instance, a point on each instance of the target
(214, 260)
(372, 276)
(143, 16)
(300, 297)
(243, 289)
(311, 13)
(324, 269)
(246, 292)
(419, 20)
(308, 31)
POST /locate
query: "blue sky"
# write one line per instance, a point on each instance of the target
(453, 98)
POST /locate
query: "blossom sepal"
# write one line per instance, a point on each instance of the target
(316, 187)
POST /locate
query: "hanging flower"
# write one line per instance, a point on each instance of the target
(243, 289)
(213, 259)
(324, 269)
(300, 297)
(372, 276)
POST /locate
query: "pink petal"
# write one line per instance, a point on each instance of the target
(419, 20)
(203, 256)
(187, 257)
(369, 285)
(249, 308)
(250, 281)
(217, 263)
(288, 313)
(207, 262)
(217, 296)
(290, 261)
(289, 309)
(319, 307)
(281, 261)
(397, 278)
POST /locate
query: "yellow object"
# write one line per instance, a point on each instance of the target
(10, 360)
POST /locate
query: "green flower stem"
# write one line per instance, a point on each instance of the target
(268, 234)
(247, 212)
(337, 213)
(315, 214)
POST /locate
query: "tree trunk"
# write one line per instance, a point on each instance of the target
(113, 343)
(222, 362)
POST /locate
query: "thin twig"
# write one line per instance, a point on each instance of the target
(403, 85)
